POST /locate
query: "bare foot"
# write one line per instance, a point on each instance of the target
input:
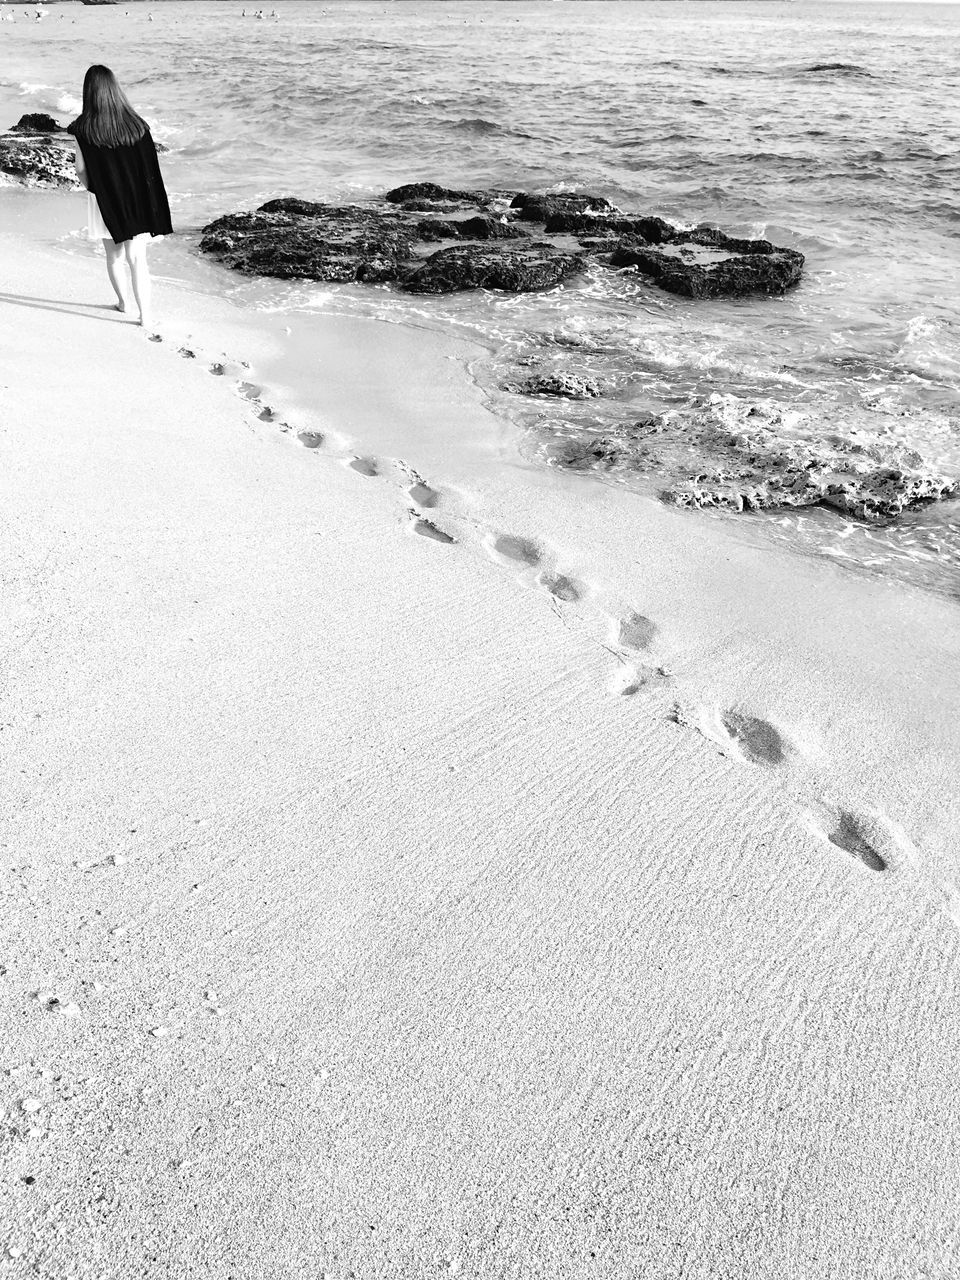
(121, 307)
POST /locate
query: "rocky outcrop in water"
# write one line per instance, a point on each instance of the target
(38, 152)
(541, 208)
(517, 269)
(427, 238)
(37, 122)
(567, 386)
(722, 267)
(745, 462)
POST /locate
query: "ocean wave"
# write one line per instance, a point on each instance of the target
(50, 95)
(841, 68)
(485, 128)
(817, 68)
(478, 125)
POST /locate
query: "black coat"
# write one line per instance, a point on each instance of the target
(129, 187)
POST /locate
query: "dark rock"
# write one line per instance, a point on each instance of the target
(431, 191)
(651, 230)
(486, 227)
(714, 238)
(702, 271)
(570, 386)
(539, 208)
(525, 270)
(482, 227)
(294, 238)
(294, 205)
(437, 229)
(39, 160)
(38, 122)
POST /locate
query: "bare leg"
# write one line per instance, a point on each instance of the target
(116, 272)
(136, 254)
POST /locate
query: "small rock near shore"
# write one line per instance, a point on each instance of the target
(569, 386)
(37, 122)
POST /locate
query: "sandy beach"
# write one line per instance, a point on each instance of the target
(416, 863)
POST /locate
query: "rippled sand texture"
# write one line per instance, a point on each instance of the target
(415, 865)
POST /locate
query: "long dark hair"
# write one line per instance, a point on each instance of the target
(107, 118)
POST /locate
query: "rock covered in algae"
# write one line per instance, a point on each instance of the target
(698, 270)
(489, 240)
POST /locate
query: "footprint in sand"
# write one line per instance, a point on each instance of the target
(865, 834)
(634, 631)
(739, 734)
(310, 439)
(630, 680)
(154, 337)
(427, 529)
(507, 548)
(365, 466)
(267, 414)
(562, 587)
(423, 495)
(217, 370)
(187, 353)
(249, 391)
(758, 741)
(848, 834)
(874, 840)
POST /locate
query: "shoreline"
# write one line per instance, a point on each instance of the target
(777, 530)
(404, 914)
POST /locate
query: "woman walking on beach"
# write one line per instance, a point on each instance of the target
(127, 202)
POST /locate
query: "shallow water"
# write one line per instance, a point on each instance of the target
(832, 128)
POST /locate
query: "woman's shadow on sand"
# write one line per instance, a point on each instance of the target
(87, 310)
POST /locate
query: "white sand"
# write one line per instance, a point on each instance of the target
(402, 942)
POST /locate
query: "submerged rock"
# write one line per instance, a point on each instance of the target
(749, 458)
(487, 245)
(876, 496)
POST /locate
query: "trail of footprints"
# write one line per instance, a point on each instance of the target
(864, 835)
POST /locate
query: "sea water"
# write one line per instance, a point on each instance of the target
(832, 128)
